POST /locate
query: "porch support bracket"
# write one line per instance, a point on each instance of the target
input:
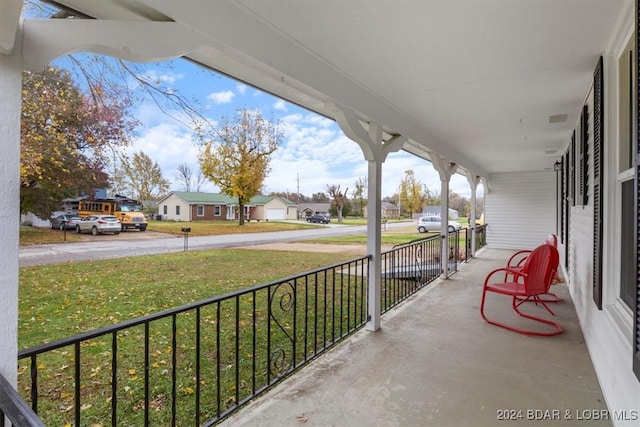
(369, 136)
(445, 169)
(45, 40)
(9, 22)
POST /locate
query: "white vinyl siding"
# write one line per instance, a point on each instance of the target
(175, 209)
(520, 209)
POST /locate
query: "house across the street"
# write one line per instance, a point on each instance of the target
(387, 209)
(196, 206)
(305, 210)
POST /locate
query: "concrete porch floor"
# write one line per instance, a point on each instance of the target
(435, 362)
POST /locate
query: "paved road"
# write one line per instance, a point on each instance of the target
(137, 243)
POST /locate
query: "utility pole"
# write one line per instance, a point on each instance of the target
(298, 182)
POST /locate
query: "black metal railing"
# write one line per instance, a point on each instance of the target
(408, 268)
(481, 236)
(481, 240)
(197, 363)
(15, 408)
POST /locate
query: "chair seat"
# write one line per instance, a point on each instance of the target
(507, 288)
(548, 297)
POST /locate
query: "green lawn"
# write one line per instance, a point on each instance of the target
(38, 236)
(61, 300)
(214, 228)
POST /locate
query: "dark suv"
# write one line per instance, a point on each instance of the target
(318, 218)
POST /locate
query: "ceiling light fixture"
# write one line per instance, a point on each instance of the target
(558, 118)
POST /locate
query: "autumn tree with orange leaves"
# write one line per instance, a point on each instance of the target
(64, 140)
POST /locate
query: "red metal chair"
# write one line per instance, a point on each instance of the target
(517, 260)
(532, 281)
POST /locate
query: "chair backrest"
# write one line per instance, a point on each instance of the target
(540, 268)
(552, 240)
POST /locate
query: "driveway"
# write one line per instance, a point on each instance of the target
(147, 243)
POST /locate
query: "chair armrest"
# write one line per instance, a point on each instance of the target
(519, 256)
(507, 270)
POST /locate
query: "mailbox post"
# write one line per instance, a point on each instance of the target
(186, 231)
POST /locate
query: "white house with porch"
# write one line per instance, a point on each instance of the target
(538, 99)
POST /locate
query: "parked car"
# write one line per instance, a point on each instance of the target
(323, 219)
(65, 221)
(96, 224)
(433, 223)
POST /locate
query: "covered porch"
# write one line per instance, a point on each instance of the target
(436, 362)
(537, 100)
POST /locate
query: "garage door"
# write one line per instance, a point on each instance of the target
(275, 214)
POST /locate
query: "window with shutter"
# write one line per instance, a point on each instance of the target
(598, 163)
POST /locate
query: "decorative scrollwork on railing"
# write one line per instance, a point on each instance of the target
(282, 303)
(418, 253)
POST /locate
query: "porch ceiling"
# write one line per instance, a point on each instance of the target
(474, 81)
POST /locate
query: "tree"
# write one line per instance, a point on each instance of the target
(459, 203)
(235, 156)
(412, 193)
(65, 136)
(338, 197)
(141, 178)
(184, 176)
(285, 195)
(319, 197)
(358, 194)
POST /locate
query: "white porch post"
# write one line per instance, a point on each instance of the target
(10, 93)
(32, 44)
(368, 135)
(473, 184)
(374, 243)
(445, 169)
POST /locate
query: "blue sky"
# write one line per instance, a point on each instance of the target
(313, 154)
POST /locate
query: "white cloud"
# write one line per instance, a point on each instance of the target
(224, 97)
(167, 78)
(314, 153)
(280, 105)
(169, 145)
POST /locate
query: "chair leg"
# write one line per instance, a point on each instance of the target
(557, 328)
(553, 298)
(515, 303)
(550, 297)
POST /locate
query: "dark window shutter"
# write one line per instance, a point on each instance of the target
(598, 164)
(567, 204)
(572, 170)
(563, 199)
(636, 326)
(583, 154)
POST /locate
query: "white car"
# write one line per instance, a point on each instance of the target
(433, 223)
(96, 224)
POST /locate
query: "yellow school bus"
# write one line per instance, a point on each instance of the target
(128, 211)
